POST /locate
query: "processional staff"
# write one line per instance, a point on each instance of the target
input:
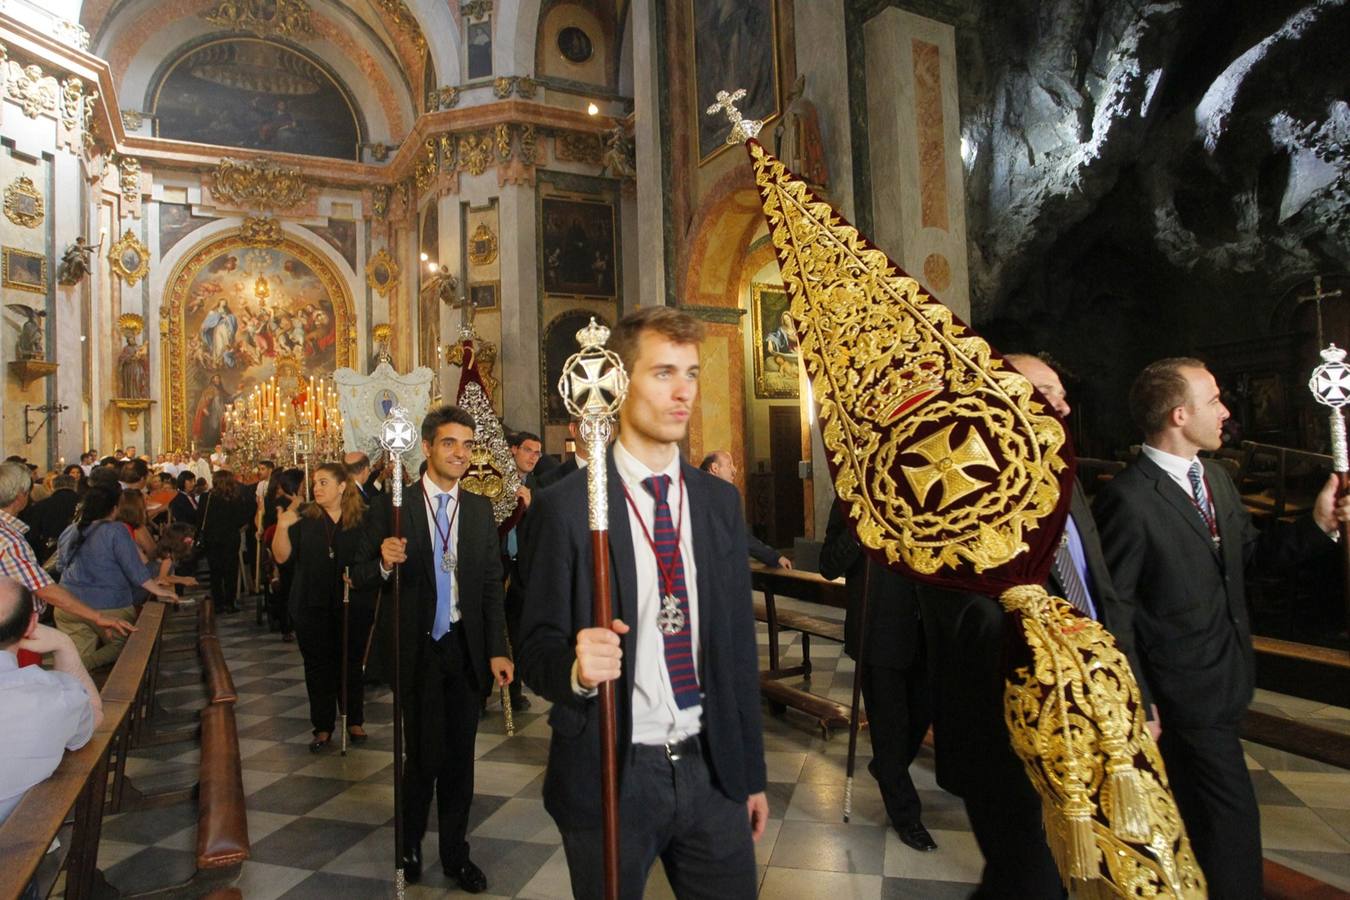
(396, 438)
(1330, 385)
(593, 387)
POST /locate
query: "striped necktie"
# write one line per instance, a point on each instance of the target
(1075, 591)
(679, 646)
(1200, 496)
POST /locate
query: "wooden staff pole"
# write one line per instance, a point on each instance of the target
(593, 386)
(396, 437)
(346, 609)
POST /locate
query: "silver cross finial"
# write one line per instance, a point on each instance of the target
(742, 129)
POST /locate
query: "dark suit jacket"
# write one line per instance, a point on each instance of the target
(1192, 627)
(966, 635)
(894, 631)
(557, 473)
(479, 573)
(48, 518)
(182, 510)
(556, 565)
(316, 580)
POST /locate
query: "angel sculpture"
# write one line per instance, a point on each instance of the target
(75, 262)
(31, 334)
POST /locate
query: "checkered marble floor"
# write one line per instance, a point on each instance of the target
(321, 825)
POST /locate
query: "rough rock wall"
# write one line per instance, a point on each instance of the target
(1146, 178)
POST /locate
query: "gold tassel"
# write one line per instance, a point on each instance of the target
(1129, 801)
(1082, 847)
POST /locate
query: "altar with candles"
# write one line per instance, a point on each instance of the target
(287, 417)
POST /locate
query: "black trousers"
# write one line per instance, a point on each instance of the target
(1006, 819)
(319, 633)
(224, 562)
(452, 780)
(899, 711)
(669, 810)
(1214, 794)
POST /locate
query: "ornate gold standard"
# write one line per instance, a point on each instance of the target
(953, 470)
(593, 387)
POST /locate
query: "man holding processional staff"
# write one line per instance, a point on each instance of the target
(451, 642)
(681, 649)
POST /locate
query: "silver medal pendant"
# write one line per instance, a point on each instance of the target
(671, 618)
(330, 553)
(447, 563)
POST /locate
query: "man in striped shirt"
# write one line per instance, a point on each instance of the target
(18, 562)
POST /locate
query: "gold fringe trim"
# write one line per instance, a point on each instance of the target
(1129, 804)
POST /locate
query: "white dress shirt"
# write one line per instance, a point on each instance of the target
(656, 718)
(433, 493)
(1177, 468)
(46, 713)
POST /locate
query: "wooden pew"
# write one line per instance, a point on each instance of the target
(809, 587)
(71, 802)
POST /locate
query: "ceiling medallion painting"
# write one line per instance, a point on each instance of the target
(259, 183)
(23, 203)
(265, 18)
(257, 94)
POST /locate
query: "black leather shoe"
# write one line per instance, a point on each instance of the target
(412, 865)
(520, 704)
(470, 878)
(320, 742)
(915, 835)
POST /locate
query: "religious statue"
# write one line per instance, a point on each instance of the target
(75, 262)
(617, 157)
(797, 138)
(133, 367)
(31, 335)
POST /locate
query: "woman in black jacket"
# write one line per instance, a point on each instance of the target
(285, 489)
(324, 540)
(225, 511)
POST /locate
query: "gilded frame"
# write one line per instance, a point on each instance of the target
(382, 273)
(770, 385)
(700, 104)
(10, 271)
(173, 343)
(23, 203)
(129, 258)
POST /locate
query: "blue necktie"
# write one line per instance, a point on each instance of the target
(440, 626)
(679, 646)
(1199, 496)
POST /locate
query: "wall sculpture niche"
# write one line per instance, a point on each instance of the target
(245, 92)
(234, 312)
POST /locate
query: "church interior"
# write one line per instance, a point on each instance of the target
(219, 215)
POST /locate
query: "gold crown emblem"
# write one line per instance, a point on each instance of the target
(907, 387)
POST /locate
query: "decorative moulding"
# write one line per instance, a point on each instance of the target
(129, 258)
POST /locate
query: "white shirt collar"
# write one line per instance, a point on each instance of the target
(433, 490)
(633, 471)
(8, 661)
(1177, 467)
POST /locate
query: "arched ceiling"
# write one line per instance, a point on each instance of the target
(377, 47)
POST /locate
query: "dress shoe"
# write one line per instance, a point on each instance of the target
(358, 737)
(913, 834)
(520, 704)
(320, 742)
(412, 865)
(469, 877)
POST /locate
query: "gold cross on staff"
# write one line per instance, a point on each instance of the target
(1317, 296)
(742, 129)
(947, 465)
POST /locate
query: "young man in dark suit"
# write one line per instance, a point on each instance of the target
(965, 636)
(452, 635)
(1178, 540)
(682, 648)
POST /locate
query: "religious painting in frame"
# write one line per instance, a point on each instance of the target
(235, 315)
(560, 342)
(25, 271)
(776, 351)
(479, 39)
(257, 94)
(578, 246)
(177, 221)
(735, 46)
(483, 296)
(23, 203)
